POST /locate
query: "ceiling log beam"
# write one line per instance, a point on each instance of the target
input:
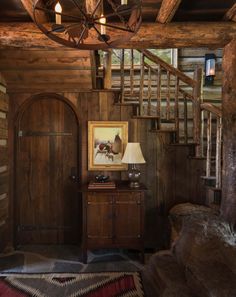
(167, 11)
(231, 14)
(28, 5)
(150, 35)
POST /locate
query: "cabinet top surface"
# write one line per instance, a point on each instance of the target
(120, 186)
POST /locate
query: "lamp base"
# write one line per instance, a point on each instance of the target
(134, 175)
(134, 184)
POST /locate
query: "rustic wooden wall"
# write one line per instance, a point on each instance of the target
(189, 58)
(36, 70)
(4, 166)
(170, 175)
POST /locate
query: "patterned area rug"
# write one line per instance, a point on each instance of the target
(103, 284)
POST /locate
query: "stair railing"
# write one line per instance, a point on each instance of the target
(164, 92)
(212, 130)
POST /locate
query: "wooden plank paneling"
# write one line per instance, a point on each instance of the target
(24, 69)
(189, 59)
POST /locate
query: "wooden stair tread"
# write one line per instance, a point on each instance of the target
(162, 131)
(127, 104)
(183, 144)
(214, 188)
(165, 121)
(208, 177)
(146, 117)
(197, 158)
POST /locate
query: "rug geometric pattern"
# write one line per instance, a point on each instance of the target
(103, 284)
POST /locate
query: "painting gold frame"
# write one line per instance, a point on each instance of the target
(106, 145)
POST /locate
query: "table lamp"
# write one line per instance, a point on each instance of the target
(133, 155)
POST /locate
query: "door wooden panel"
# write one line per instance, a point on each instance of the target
(47, 206)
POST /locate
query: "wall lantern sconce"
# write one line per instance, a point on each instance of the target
(210, 69)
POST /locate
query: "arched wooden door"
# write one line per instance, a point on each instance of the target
(47, 209)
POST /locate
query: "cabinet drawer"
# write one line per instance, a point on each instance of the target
(129, 198)
(99, 198)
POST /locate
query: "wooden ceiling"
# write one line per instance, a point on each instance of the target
(194, 10)
(187, 23)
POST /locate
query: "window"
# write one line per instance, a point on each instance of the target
(168, 55)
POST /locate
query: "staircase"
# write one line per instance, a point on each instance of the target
(172, 102)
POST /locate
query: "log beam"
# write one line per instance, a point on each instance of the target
(28, 5)
(231, 14)
(167, 11)
(150, 35)
(228, 205)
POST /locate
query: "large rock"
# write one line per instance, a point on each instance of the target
(202, 261)
(179, 212)
(206, 249)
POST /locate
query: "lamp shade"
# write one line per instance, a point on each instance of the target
(133, 154)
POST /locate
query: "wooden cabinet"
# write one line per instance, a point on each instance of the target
(113, 218)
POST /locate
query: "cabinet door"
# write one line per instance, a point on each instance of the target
(99, 219)
(128, 218)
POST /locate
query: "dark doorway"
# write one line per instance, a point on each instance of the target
(47, 209)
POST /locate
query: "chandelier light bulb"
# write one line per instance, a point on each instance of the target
(58, 9)
(103, 21)
(124, 2)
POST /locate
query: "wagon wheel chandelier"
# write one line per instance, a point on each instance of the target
(104, 24)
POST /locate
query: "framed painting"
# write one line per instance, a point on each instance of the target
(106, 144)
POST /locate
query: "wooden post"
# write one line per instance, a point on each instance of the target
(197, 110)
(168, 96)
(132, 73)
(141, 86)
(107, 70)
(159, 93)
(209, 144)
(149, 90)
(218, 151)
(228, 205)
(122, 75)
(177, 108)
(185, 119)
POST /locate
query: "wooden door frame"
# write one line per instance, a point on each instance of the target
(23, 107)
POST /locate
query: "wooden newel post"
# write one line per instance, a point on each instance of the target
(107, 70)
(197, 110)
(228, 205)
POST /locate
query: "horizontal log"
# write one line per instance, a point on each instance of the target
(3, 123)
(2, 80)
(3, 204)
(198, 52)
(44, 59)
(150, 35)
(3, 102)
(3, 134)
(3, 142)
(4, 183)
(81, 77)
(3, 156)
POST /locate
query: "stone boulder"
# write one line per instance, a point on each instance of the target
(202, 261)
